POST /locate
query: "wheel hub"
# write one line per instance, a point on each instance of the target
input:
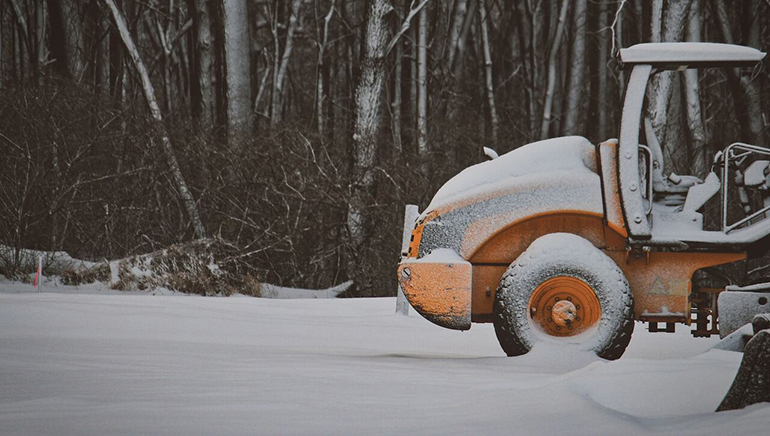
(564, 306)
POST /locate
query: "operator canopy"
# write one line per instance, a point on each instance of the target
(675, 55)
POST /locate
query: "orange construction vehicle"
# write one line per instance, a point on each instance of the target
(567, 242)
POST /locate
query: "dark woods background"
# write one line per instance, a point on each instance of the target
(271, 131)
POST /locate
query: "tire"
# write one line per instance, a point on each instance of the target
(564, 290)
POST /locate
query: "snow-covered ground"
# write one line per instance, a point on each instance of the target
(101, 363)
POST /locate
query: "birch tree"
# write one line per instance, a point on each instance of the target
(551, 84)
(575, 116)
(660, 110)
(746, 87)
(320, 94)
(699, 164)
(490, 86)
(367, 123)
(282, 67)
(237, 53)
(422, 84)
(149, 94)
(602, 67)
(203, 91)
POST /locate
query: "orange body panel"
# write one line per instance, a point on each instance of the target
(485, 281)
(608, 154)
(509, 243)
(662, 283)
(440, 291)
(492, 259)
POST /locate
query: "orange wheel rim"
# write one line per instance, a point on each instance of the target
(564, 306)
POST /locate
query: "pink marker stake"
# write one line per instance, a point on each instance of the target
(37, 274)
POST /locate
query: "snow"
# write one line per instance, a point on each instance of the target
(689, 52)
(755, 287)
(439, 255)
(138, 364)
(551, 155)
(738, 307)
(553, 175)
(281, 292)
(699, 194)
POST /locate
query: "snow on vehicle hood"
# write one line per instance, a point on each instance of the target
(565, 153)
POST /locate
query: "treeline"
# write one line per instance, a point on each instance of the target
(297, 129)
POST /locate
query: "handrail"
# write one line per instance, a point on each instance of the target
(725, 177)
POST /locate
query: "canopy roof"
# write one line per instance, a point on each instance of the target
(673, 55)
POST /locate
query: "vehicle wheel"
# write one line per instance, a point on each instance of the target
(562, 289)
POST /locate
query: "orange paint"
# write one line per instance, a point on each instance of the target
(608, 153)
(564, 306)
(661, 285)
(439, 291)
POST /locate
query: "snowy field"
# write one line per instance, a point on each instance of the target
(94, 362)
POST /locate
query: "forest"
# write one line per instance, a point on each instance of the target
(295, 131)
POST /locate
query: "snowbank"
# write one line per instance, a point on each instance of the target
(120, 364)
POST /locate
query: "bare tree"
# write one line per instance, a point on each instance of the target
(551, 84)
(602, 67)
(490, 85)
(203, 91)
(660, 108)
(367, 123)
(320, 94)
(152, 103)
(698, 161)
(575, 116)
(422, 84)
(67, 34)
(237, 53)
(281, 68)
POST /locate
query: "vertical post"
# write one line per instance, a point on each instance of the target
(410, 216)
(39, 274)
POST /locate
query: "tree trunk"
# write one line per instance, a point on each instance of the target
(422, 78)
(320, 94)
(282, 68)
(397, 93)
(203, 91)
(366, 128)
(620, 41)
(747, 106)
(575, 116)
(699, 164)
(458, 62)
(67, 37)
(237, 54)
(456, 28)
(660, 110)
(603, 91)
(6, 44)
(103, 55)
(152, 103)
(551, 84)
(752, 84)
(490, 85)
